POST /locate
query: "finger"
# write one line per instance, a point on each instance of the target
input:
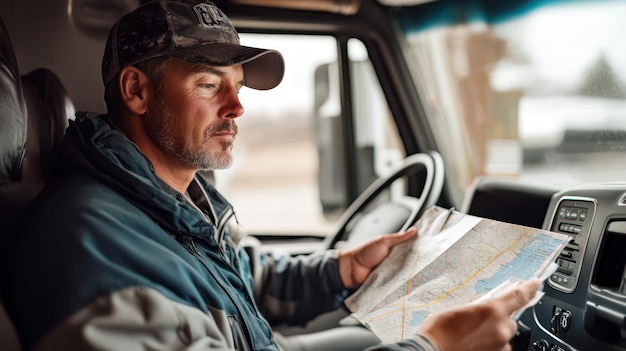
(518, 297)
(399, 238)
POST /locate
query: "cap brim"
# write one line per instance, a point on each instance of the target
(263, 69)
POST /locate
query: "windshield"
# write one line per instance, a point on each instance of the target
(532, 92)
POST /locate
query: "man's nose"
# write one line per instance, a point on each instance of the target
(232, 107)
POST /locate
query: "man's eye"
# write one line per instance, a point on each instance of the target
(208, 85)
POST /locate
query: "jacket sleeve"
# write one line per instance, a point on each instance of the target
(137, 318)
(284, 286)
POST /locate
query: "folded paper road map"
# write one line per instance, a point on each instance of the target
(456, 260)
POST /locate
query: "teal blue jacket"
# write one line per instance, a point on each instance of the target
(111, 257)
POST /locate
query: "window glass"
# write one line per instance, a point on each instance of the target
(540, 95)
(288, 176)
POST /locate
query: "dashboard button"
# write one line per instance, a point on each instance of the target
(540, 345)
(565, 319)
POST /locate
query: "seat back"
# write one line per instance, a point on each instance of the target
(12, 113)
(12, 148)
(34, 112)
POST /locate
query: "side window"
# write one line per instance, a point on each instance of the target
(288, 175)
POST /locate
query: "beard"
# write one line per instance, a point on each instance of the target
(163, 128)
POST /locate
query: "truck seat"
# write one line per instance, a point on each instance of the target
(34, 112)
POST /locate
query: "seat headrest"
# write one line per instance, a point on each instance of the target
(49, 109)
(34, 112)
(12, 112)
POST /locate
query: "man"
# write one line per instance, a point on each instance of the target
(128, 248)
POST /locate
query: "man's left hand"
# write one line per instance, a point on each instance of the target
(356, 263)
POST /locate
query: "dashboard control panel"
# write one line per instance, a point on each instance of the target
(573, 216)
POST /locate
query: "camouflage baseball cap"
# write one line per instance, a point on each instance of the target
(191, 30)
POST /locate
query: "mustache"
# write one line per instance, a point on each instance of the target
(224, 126)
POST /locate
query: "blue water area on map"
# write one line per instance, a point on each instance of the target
(524, 265)
(418, 317)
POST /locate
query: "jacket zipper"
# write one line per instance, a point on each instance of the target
(219, 226)
(196, 253)
(219, 237)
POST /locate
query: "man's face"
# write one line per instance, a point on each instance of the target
(192, 118)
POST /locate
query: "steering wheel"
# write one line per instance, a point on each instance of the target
(354, 226)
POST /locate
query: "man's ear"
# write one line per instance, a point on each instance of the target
(134, 88)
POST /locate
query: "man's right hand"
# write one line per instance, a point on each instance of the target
(485, 326)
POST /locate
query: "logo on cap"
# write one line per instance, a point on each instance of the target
(210, 17)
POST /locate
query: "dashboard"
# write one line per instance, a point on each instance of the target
(584, 306)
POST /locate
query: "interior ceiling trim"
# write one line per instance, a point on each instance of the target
(344, 7)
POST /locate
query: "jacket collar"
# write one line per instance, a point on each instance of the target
(101, 149)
